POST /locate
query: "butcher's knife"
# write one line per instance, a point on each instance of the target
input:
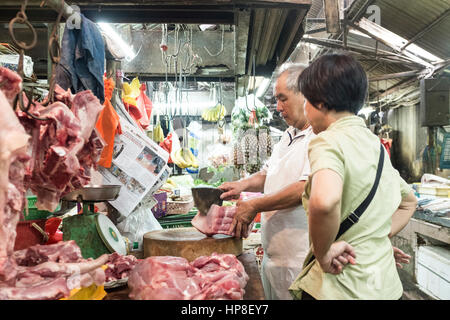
(205, 197)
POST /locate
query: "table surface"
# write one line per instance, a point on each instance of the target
(253, 290)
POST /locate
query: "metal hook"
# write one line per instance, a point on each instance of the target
(21, 18)
(221, 48)
(54, 51)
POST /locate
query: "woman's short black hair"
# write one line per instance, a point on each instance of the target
(337, 80)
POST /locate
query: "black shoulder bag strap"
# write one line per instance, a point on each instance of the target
(356, 214)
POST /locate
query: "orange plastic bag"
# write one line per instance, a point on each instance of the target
(108, 125)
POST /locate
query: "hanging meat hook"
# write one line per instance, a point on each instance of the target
(21, 18)
(221, 47)
(54, 51)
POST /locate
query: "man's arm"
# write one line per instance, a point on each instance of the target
(287, 197)
(401, 216)
(254, 183)
(246, 211)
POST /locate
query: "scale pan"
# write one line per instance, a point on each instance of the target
(95, 193)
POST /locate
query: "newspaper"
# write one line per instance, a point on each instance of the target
(139, 166)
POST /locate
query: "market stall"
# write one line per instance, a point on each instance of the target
(121, 119)
(129, 119)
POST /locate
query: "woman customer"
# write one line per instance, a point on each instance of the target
(344, 158)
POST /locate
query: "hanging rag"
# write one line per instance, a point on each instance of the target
(108, 125)
(82, 59)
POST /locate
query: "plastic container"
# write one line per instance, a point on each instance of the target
(33, 212)
(435, 191)
(28, 235)
(177, 221)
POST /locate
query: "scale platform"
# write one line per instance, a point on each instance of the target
(94, 233)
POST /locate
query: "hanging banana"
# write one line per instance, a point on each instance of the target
(158, 134)
(215, 113)
(184, 158)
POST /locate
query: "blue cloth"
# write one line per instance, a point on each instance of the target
(82, 63)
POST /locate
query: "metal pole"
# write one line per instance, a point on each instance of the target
(57, 5)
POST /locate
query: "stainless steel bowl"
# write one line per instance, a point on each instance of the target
(94, 193)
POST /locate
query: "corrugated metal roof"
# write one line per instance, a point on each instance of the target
(409, 17)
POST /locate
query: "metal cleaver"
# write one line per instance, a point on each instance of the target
(205, 197)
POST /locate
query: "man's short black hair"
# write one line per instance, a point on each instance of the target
(337, 80)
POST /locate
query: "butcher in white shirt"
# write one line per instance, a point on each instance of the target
(284, 229)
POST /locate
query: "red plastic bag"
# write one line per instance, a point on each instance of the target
(144, 104)
(166, 144)
(51, 229)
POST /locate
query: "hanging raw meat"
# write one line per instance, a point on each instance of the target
(64, 148)
(40, 272)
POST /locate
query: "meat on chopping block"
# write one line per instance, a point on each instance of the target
(219, 276)
(218, 220)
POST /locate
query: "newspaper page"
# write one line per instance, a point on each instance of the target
(139, 166)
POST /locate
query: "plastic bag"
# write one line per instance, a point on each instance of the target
(51, 228)
(219, 155)
(137, 223)
(93, 292)
(108, 126)
(145, 106)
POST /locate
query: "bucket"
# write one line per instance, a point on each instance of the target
(28, 234)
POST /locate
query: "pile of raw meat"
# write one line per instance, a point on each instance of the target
(63, 143)
(119, 266)
(215, 277)
(217, 221)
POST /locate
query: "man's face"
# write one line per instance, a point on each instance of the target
(315, 117)
(289, 104)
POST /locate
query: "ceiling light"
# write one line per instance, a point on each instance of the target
(204, 27)
(130, 54)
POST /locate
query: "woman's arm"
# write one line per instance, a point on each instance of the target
(324, 219)
(324, 210)
(401, 216)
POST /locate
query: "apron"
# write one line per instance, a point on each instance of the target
(284, 233)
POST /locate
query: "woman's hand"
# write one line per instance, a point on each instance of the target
(400, 257)
(337, 257)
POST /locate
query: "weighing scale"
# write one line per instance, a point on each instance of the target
(94, 233)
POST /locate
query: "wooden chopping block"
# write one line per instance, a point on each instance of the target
(188, 243)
